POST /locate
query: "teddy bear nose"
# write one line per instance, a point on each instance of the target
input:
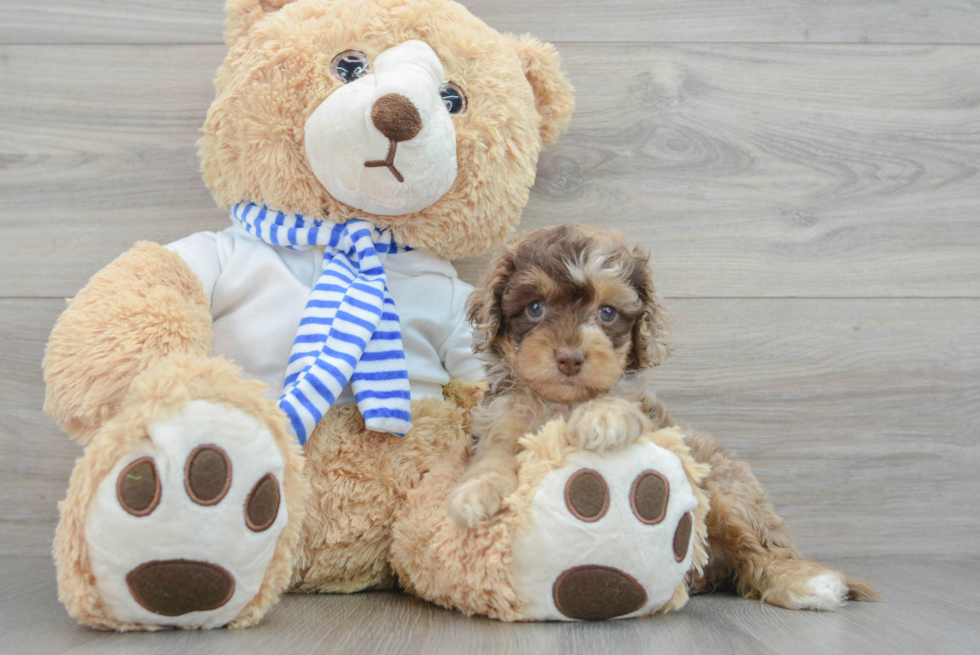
(569, 361)
(396, 117)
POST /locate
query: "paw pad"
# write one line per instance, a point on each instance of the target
(594, 593)
(682, 536)
(649, 496)
(207, 475)
(138, 487)
(262, 505)
(177, 587)
(587, 495)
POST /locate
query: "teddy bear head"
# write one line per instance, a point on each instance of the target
(412, 114)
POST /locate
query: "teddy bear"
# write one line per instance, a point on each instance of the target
(284, 404)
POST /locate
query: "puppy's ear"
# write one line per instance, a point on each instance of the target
(483, 306)
(650, 347)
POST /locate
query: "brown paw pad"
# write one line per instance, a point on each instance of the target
(262, 505)
(682, 536)
(648, 497)
(587, 495)
(138, 487)
(175, 587)
(207, 475)
(594, 593)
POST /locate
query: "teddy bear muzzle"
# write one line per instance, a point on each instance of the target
(385, 142)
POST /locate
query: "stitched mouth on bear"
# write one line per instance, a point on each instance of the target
(388, 162)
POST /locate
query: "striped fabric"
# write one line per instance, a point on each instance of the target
(350, 331)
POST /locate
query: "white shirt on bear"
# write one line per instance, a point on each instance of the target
(258, 293)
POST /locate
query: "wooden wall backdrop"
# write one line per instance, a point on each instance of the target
(806, 174)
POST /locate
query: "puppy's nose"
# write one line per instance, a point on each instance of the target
(396, 117)
(569, 361)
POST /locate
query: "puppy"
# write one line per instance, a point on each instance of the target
(566, 322)
(569, 325)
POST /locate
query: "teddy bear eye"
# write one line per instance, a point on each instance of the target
(535, 309)
(349, 65)
(453, 98)
(606, 313)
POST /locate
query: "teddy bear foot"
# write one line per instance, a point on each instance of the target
(182, 529)
(608, 536)
(186, 507)
(586, 535)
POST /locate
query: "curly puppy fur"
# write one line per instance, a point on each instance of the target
(569, 324)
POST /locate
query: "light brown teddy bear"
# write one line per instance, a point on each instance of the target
(284, 404)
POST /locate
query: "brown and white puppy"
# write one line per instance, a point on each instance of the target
(566, 324)
(569, 325)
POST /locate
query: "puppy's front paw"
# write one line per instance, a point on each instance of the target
(607, 424)
(479, 498)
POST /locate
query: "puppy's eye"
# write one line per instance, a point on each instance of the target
(606, 313)
(535, 309)
(349, 65)
(453, 98)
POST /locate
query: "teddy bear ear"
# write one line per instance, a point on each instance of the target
(553, 94)
(242, 14)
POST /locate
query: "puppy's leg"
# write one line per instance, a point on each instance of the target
(607, 423)
(750, 545)
(480, 492)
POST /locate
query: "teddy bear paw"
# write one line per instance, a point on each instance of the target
(181, 532)
(608, 536)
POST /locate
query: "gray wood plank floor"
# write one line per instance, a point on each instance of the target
(927, 607)
(806, 174)
(713, 21)
(763, 170)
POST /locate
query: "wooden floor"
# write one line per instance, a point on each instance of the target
(806, 174)
(929, 607)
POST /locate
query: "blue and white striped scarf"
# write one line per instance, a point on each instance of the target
(350, 331)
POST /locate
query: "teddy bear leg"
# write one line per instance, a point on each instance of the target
(144, 306)
(185, 509)
(360, 482)
(751, 545)
(585, 536)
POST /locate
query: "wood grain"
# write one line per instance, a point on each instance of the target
(861, 417)
(747, 170)
(928, 607)
(833, 21)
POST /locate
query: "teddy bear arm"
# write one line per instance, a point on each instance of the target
(145, 305)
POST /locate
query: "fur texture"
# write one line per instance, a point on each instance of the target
(749, 544)
(275, 76)
(145, 305)
(471, 569)
(568, 319)
(360, 482)
(135, 343)
(106, 390)
(572, 271)
(155, 396)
